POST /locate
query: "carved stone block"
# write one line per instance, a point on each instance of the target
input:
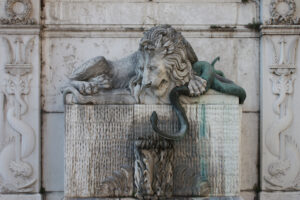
(100, 145)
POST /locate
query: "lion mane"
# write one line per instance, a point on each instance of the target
(178, 55)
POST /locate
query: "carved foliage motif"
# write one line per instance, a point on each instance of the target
(284, 171)
(18, 12)
(283, 12)
(153, 176)
(120, 184)
(16, 174)
(192, 181)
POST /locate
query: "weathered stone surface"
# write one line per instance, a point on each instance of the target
(249, 151)
(54, 196)
(174, 198)
(20, 197)
(110, 129)
(279, 195)
(53, 151)
(211, 150)
(148, 12)
(249, 195)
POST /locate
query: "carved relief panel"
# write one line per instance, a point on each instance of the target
(280, 12)
(280, 138)
(20, 114)
(19, 12)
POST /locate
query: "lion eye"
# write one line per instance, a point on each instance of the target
(152, 67)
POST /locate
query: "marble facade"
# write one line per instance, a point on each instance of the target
(63, 31)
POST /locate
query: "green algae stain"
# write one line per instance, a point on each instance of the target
(203, 141)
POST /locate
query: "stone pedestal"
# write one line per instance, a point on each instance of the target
(103, 144)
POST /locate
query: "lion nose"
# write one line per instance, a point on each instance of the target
(147, 85)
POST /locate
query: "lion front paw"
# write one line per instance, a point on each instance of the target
(92, 86)
(84, 87)
(197, 86)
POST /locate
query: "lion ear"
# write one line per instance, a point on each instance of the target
(165, 51)
(158, 42)
(167, 44)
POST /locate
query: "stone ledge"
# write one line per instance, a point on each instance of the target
(123, 97)
(175, 198)
(20, 29)
(279, 195)
(280, 29)
(20, 197)
(135, 31)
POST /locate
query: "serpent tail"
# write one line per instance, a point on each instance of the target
(180, 112)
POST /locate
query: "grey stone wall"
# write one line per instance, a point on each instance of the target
(66, 33)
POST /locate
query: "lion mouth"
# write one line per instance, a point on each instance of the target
(163, 84)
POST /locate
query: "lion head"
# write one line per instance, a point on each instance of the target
(168, 60)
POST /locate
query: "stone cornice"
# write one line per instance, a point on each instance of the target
(20, 29)
(130, 31)
(280, 30)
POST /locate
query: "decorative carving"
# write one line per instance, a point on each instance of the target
(15, 172)
(191, 181)
(99, 139)
(18, 12)
(153, 176)
(164, 60)
(120, 184)
(164, 67)
(283, 12)
(284, 172)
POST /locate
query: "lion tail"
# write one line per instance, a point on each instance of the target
(214, 61)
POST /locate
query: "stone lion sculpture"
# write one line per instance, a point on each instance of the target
(164, 67)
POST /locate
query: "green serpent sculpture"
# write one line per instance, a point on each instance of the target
(215, 80)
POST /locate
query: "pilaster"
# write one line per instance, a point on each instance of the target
(280, 153)
(20, 100)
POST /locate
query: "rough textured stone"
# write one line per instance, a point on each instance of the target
(211, 148)
(279, 195)
(97, 143)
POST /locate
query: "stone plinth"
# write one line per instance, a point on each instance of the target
(100, 142)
